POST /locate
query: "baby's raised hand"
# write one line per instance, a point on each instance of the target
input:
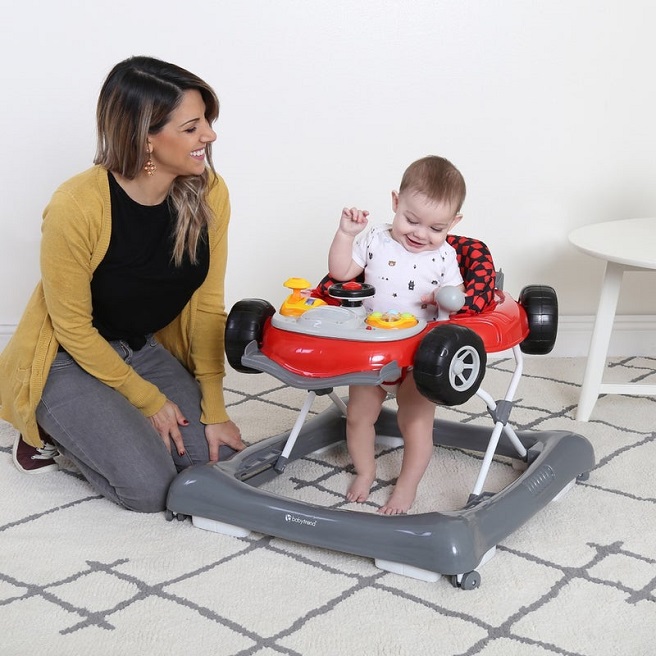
(353, 221)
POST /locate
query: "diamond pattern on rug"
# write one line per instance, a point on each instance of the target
(79, 575)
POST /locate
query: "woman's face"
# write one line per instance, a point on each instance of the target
(179, 147)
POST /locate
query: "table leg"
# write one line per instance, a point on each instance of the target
(603, 326)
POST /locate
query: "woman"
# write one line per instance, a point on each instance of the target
(118, 360)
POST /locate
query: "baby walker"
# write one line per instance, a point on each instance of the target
(313, 344)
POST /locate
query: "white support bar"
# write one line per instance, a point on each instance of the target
(338, 402)
(300, 420)
(499, 426)
(487, 458)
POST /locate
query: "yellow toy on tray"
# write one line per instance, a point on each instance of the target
(391, 319)
(297, 303)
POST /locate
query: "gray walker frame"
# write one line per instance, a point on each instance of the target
(224, 497)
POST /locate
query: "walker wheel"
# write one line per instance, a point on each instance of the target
(470, 580)
(245, 323)
(541, 305)
(168, 515)
(449, 364)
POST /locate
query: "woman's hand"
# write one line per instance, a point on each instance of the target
(166, 422)
(225, 433)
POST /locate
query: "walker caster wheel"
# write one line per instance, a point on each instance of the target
(180, 517)
(466, 581)
(470, 580)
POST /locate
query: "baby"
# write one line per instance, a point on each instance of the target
(406, 261)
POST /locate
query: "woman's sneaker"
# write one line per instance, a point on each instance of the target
(32, 460)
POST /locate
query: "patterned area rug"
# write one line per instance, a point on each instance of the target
(78, 575)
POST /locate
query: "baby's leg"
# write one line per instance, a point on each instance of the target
(415, 417)
(363, 409)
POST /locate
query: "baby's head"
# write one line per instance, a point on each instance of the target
(437, 179)
(427, 204)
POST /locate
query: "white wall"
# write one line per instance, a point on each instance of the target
(545, 106)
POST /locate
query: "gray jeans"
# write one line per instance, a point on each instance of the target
(115, 447)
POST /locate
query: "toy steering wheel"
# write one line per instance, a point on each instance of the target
(351, 291)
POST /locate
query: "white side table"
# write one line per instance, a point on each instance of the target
(626, 245)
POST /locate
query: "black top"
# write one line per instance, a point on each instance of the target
(137, 289)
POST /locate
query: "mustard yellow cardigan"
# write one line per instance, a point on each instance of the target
(75, 236)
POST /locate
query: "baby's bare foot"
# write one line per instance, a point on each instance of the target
(359, 489)
(399, 502)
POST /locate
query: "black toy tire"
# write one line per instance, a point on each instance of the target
(245, 323)
(449, 364)
(541, 305)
